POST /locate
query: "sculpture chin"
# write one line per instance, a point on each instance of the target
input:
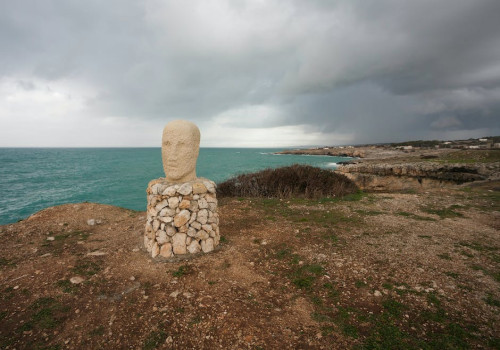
(181, 177)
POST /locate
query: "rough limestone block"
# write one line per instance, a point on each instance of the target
(194, 247)
(179, 243)
(166, 250)
(207, 245)
(155, 250)
(181, 218)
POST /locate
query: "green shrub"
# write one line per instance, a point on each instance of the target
(286, 182)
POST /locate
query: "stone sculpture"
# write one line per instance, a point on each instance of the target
(179, 150)
(182, 213)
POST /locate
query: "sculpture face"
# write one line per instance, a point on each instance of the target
(180, 148)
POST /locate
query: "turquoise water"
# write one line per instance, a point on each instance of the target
(32, 179)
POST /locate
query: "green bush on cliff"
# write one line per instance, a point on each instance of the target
(292, 181)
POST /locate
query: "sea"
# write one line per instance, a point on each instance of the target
(32, 179)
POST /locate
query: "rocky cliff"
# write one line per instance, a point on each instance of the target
(404, 176)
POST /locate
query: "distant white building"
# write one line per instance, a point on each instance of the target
(447, 143)
(483, 140)
(474, 147)
(408, 147)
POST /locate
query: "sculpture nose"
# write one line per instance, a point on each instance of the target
(175, 148)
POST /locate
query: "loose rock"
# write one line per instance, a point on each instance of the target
(76, 280)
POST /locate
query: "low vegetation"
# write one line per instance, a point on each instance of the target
(468, 156)
(286, 182)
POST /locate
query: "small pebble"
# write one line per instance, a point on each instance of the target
(96, 253)
(187, 295)
(76, 280)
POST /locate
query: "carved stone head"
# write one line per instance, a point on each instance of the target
(180, 149)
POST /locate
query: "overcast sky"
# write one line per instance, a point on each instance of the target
(248, 73)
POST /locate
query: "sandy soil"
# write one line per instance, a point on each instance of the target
(370, 271)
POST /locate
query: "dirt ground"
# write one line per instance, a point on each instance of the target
(370, 271)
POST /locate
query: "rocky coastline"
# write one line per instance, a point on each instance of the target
(377, 168)
(328, 151)
(417, 175)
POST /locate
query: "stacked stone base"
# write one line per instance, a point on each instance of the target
(181, 218)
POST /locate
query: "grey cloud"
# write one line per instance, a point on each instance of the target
(378, 70)
(445, 122)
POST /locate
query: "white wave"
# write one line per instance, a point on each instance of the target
(331, 165)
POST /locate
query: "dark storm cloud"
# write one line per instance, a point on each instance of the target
(379, 71)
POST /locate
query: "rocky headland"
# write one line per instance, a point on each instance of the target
(328, 151)
(383, 168)
(417, 175)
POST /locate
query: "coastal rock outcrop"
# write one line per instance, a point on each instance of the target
(329, 151)
(405, 176)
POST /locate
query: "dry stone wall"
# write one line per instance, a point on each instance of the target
(181, 218)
